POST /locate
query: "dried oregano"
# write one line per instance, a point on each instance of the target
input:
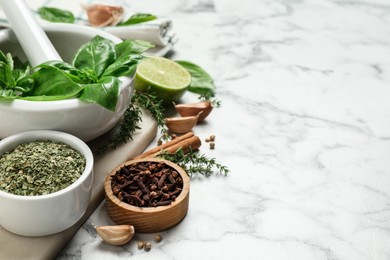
(40, 167)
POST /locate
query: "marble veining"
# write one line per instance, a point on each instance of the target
(304, 127)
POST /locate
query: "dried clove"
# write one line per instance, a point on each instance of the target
(147, 184)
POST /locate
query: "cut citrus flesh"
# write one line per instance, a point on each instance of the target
(162, 77)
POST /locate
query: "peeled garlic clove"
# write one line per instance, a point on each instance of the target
(194, 109)
(181, 125)
(103, 15)
(116, 235)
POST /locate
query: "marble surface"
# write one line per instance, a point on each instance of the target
(304, 127)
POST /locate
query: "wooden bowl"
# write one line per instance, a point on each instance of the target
(148, 219)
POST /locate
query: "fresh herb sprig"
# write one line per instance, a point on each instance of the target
(132, 118)
(155, 107)
(206, 97)
(193, 162)
(126, 129)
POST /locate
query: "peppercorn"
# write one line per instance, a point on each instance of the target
(212, 137)
(158, 238)
(140, 244)
(147, 246)
(212, 145)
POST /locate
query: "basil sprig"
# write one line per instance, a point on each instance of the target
(92, 76)
(15, 77)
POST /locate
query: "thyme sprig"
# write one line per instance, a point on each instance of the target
(128, 125)
(132, 119)
(154, 105)
(208, 97)
(193, 162)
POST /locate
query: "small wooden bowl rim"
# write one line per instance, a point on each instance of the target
(129, 207)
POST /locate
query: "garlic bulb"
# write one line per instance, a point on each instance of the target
(116, 235)
(103, 15)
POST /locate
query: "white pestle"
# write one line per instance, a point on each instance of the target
(32, 38)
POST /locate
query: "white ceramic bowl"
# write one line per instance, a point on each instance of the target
(84, 120)
(52, 213)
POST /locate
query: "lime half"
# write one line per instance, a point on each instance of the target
(162, 77)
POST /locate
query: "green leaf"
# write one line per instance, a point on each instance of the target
(44, 98)
(51, 81)
(96, 55)
(7, 94)
(126, 65)
(10, 61)
(132, 46)
(57, 15)
(78, 76)
(104, 93)
(25, 84)
(6, 76)
(3, 57)
(16, 79)
(128, 53)
(138, 18)
(18, 64)
(201, 82)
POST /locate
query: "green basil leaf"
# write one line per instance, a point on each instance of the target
(128, 56)
(18, 64)
(104, 93)
(3, 57)
(78, 76)
(6, 76)
(138, 18)
(51, 81)
(56, 15)
(25, 84)
(45, 98)
(126, 65)
(201, 82)
(20, 74)
(132, 46)
(96, 55)
(10, 61)
(7, 94)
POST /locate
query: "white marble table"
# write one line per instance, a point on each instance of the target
(304, 127)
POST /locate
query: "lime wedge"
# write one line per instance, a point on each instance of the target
(162, 77)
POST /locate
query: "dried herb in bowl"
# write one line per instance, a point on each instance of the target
(40, 167)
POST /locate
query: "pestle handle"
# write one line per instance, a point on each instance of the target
(30, 34)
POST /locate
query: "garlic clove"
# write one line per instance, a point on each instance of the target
(103, 15)
(195, 108)
(181, 125)
(116, 235)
